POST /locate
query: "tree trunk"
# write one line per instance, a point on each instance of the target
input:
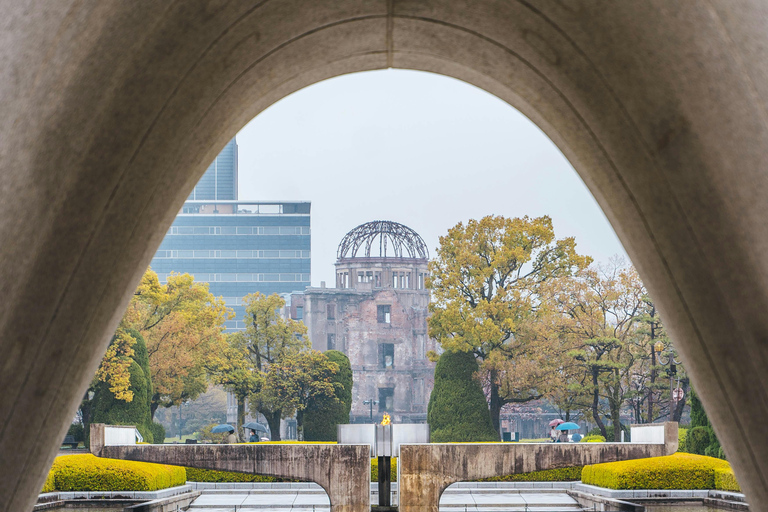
(495, 404)
(273, 420)
(615, 405)
(240, 415)
(299, 425)
(595, 405)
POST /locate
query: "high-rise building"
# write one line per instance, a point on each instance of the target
(238, 246)
(220, 179)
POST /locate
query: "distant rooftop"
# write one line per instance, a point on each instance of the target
(245, 207)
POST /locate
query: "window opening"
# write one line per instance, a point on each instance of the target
(386, 355)
(383, 312)
(330, 311)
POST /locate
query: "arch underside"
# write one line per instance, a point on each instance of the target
(114, 110)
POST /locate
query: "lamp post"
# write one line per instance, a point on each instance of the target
(672, 363)
(371, 402)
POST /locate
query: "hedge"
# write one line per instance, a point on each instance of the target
(211, 475)
(594, 438)
(571, 474)
(725, 480)
(678, 471)
(86, 472)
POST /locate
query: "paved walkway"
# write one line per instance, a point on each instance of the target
(310, 497)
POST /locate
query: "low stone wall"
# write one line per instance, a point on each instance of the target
(427, 469)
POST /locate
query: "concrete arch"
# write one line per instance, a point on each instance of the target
(112, 111)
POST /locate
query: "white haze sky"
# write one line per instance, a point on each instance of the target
(416, 148)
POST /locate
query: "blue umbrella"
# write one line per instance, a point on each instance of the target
(252, 425)
(568, 426)
(224, 427)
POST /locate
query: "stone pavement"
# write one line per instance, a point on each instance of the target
(470, 497)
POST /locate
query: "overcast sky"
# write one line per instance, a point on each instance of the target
(416, 148)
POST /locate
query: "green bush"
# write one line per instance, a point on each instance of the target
(158, 432)
(106, 408)
(323, 415)
(86, 472)
(678, 471)
(682, 434)
(592, 438)
(457, 410)
(210, 475)
(571, 474)
(698, 439)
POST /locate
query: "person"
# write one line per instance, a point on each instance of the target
(231, 437)
(254, 438)
(553, 434)
(563, 437)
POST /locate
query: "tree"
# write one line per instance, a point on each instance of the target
(457, 410)
(267, 339)
(131, 405)
(235, 370)
(298, 379)
(183, 324)
(486, 282)
(603, 307)
(323, 414)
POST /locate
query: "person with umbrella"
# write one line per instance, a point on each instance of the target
(564, 428)
(255, 427)
(225, 427)
(553, 432)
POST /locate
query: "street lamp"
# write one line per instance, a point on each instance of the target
(672, 363)
(371, 402)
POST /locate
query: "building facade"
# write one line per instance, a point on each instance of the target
(377, 315)
(237, 246)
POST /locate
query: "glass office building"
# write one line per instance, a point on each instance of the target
(237, 246)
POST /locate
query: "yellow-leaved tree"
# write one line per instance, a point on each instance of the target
(183, 325)
(489, 298)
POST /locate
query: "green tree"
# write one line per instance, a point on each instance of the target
(486, 286)
(457, 410)
(323, 414)
(243, 365)
(113, 409)
(236, 371)
(292, 383)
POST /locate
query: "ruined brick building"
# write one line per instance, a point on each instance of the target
(377, 315)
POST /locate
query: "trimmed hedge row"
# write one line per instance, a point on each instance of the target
(678, 471)
(594, 438)
(211, 475)
(725, 480)
(86, 472)
(572, 474)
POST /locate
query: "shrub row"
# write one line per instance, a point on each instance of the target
(210, 475)
(86, 472)
(725, 480)
(572, 474)
(678, 471)
(593, 438)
